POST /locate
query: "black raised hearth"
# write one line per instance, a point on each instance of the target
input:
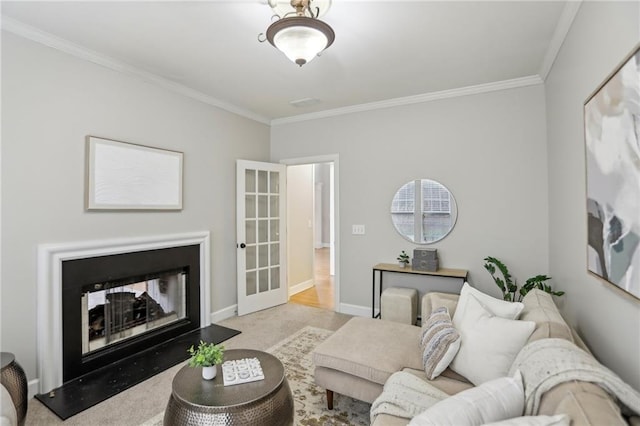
(83, 392)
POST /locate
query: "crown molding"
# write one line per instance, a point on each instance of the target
(26, 31)
(409, 100)
(31, 33)
(569, 13)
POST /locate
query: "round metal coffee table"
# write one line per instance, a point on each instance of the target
(195, 401)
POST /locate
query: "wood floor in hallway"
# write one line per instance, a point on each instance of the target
(321, 295)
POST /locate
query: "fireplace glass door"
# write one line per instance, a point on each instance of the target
(113, 312)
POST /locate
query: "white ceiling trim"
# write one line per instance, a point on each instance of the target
(23, 30)
(408, 100)
(562, 29)
(564, 23)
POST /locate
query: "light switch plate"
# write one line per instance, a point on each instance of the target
(357, 229)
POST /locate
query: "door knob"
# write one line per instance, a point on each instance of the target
(242, 245)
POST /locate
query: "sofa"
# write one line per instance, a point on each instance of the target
(361, 356)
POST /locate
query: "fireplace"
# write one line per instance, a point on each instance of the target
(100, 302)
(112, 312)
(117, 305)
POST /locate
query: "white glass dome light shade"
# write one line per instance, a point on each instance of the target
(300, 44)
(283, 7)
(300, 38)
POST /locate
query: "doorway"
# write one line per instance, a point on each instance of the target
(311, 223)
(321, 295)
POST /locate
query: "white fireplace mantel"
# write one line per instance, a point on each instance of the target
(49, 296)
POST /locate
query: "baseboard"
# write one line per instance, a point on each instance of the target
(300, 287)
(32, 388)
(355, 310)
(223, 314)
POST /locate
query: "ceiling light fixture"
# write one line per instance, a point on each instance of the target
(298, 33)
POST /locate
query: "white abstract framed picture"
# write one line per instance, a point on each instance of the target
(125, 176)
(612, 139)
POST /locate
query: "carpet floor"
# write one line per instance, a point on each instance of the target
(262, 330)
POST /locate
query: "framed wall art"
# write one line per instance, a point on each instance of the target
(125, 176)
(612, 139)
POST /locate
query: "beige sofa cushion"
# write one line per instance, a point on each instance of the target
(435, 300)
(540, 308)
(449, 381)
(384, 347)
(586, 403)
(389, 420)
(8, 413)
(346, 384)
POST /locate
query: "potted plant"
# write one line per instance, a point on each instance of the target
(508, 285)
(403, 259)
(207, 356)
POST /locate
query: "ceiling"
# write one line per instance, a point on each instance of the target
(385, 52)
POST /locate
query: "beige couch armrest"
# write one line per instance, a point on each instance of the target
(434, 300)
(586, 403)
(8, 414)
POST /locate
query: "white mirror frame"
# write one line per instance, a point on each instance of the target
(443, 209)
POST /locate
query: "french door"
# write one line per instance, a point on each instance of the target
(261, 235)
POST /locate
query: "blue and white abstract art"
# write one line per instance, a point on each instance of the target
(612, 136)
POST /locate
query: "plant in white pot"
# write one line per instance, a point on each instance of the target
(403, 259)
(207, 356)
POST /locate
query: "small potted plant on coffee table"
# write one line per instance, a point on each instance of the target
(403, 259)
(207, 356)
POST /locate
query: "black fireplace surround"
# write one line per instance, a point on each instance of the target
(79, 275)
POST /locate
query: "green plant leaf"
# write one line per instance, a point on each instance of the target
(206, 355)
(508, 285)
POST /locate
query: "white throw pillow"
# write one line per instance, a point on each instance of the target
(498, 307)
(440, 342)
(492, 401)
(489, 344)
(557, 420)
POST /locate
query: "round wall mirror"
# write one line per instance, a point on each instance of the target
(423, 211)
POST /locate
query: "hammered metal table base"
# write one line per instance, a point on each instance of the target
(267, 402)
(14, 379)
(273, 410)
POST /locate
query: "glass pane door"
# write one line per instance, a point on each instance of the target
(260, 271)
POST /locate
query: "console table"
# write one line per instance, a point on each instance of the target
(381, 268)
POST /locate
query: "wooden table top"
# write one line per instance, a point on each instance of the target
(441, 272)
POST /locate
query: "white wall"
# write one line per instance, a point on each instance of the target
(602, 34)
(299, 233)
(50, 103)
(323, 176)
(488, 149)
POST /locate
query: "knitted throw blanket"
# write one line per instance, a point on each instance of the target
(546, 363)
(405, 395)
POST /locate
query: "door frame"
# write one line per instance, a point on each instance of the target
(329, 158)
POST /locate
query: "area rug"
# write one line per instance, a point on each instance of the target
(310, 402)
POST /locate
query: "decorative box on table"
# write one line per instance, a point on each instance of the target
(425, 260)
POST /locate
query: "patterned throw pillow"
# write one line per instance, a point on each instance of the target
(440, 342)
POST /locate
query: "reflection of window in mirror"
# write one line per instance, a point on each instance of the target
(432, 202)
